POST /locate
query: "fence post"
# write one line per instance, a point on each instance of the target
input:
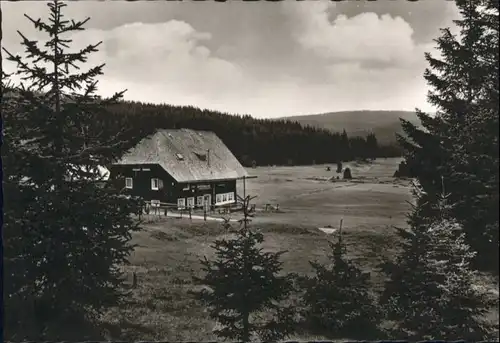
(205, 214)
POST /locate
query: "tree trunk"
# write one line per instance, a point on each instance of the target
(246, 328)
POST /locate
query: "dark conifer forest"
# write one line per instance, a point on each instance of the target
(259, 141)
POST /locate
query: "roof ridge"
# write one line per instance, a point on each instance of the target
(185, 129)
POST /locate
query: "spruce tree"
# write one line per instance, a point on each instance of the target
(65, 235)
(243, 289)
(337, 299)
(430, 292)
(461, 142)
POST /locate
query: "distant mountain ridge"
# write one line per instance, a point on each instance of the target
(384, 124)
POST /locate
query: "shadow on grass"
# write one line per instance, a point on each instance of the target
(69, 328)
(357, 333)
(158, 309)
(125, 330)
(288, 229)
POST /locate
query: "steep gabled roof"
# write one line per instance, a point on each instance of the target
(187, 155)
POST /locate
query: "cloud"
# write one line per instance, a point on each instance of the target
(165, 58)
(367, 37)
(316, 60)
(171, 53)
(370, 60)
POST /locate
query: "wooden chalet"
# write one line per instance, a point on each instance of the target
(193, 169)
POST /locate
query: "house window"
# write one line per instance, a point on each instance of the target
(181, 203)
(155, 203)
(224, 198)
(128, 183)
(190, 202)
(218, 198)
(155, 184)
(199, 201)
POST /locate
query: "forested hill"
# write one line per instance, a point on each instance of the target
(265, 141)
(384, 124)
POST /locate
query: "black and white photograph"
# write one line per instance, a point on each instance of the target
(250, 171)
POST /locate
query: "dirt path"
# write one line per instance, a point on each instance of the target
(198, 217)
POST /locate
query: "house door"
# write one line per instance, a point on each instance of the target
(207, 201)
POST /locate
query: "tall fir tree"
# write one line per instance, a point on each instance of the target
(66, 234)
(337, 299)
(430, 290)
(242, 284)
(461, 142)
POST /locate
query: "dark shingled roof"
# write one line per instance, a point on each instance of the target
(187, 155)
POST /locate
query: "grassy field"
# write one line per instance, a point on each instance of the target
(306, 196)
(169, 249)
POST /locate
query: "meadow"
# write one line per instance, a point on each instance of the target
(307, 195)
(169, 249)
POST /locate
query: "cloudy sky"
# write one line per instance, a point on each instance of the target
(264, 59)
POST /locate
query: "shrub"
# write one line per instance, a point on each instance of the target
(347, 174)
(337, 298)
